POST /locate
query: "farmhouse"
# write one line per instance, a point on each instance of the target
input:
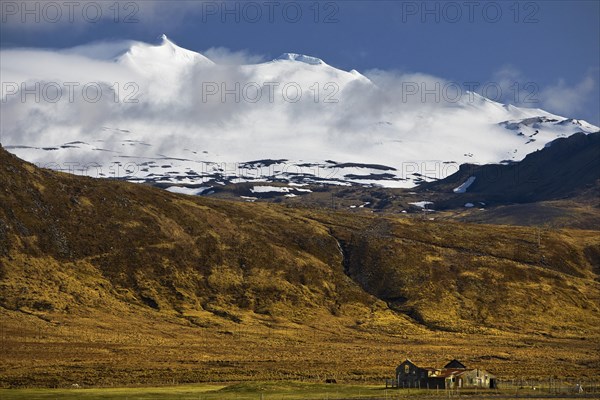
(452, 375)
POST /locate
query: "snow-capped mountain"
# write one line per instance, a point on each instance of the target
(166, 115)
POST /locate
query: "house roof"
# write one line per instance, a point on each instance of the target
(447, 372)
(455, 364)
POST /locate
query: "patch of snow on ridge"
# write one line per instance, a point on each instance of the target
(269, 189)
(422, 204)
(463, 188)
(188, 191)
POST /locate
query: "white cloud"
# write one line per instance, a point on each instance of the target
(513, 87)
(568, 99)
(400, 117)
(224, 56)
(561, 98)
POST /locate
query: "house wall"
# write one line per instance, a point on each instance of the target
(436, 383)
(476, 378)
(408, 375)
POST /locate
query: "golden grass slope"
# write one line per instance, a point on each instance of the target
(105, 282)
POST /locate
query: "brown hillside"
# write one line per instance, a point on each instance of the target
(94, 273)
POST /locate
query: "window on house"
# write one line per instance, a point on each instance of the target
(407, 369)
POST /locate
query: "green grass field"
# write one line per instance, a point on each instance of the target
(261, 391)
(278, 391)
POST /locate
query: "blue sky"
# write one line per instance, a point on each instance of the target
(554, 45)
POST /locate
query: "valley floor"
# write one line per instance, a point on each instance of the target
(144, 348)
(277, 391)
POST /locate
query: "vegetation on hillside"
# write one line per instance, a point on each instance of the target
(106, 282)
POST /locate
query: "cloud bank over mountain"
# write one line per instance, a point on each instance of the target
(136, 101)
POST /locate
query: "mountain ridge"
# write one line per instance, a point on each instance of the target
(173, 116)
(561, 170)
